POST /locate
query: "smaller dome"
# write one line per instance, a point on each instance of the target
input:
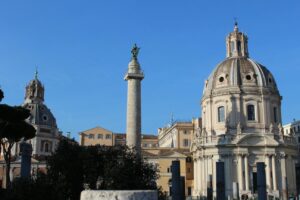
(34, 101)
(40, 115)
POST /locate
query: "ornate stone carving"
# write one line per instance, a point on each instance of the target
(280, 129)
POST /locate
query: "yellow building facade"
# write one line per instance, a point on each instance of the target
(163, 158)
(102, 136)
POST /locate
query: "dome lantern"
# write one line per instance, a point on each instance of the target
(236, 43)
(34, 91)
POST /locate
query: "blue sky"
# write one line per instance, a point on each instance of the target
(82, 49)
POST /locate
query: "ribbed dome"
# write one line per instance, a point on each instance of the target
(240, 72)
(40, 115)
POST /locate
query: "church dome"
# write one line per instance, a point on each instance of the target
(40, 115)
(238, 70)
(241, 72)
(34, 101)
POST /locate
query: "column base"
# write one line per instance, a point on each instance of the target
(274, 193)
(245, 192)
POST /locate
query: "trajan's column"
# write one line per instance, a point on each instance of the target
(134, 76)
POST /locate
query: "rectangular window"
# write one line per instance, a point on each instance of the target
(186, 142)
(91, 136)
(107, 136)
(100, 136)
(275, 114)
(299, 140)
(221, 114)
(239, 46)
(251, 112)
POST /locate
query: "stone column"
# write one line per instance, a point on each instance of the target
(214, 176)
(228, 177)
(200, 168)
(240, 173)
(274, 176)
(196, 176)
(134, 76)
(246, 173)
(283, 177)
(268, 178)
(204, 175)
(294, 177)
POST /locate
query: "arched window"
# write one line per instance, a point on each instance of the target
(221, 114)
(251, 112)
(239, 46)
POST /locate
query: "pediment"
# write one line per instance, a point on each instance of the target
(172, 154)
(257, 140)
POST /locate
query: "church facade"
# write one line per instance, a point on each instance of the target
(241, 125)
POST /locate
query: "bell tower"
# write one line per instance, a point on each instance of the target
(236, 43)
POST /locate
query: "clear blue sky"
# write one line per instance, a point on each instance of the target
(82, 49)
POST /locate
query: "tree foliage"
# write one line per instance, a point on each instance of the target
(71, 166)
(120, 169)
(13, 128)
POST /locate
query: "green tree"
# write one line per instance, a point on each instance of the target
(118, 168)
(13, 128)
(71, 165)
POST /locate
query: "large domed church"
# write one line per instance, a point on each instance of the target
(47, 135)
(241, 125)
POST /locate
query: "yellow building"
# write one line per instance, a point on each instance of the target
(97, 135)
(163, 158)
(172, 143)
(178, 134)
(102, 136)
